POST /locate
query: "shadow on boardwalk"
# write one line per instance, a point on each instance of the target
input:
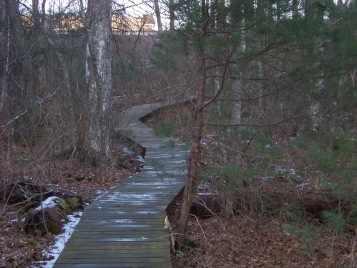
(124, 227)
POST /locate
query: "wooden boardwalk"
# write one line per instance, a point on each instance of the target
(124, 227)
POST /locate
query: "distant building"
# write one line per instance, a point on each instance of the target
(121, 24)
(133, 25)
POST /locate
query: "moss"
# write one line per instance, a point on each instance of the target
(64, 207)
(53, 226)
(79, 178)
(73, 203)
(121, 163)
(87, 165)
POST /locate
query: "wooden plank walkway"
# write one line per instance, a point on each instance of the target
(124, 227)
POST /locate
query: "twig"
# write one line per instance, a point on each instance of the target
(28, 109)
(198, 222)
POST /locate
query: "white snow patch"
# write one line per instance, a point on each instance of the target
(50, 202)
(290, 171)
(140, 159)
(55, 250)
(127, 151)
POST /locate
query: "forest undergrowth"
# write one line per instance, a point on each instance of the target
(286, 218)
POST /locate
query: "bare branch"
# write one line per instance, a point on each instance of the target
(39, 102)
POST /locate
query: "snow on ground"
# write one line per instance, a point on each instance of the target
(61, 239)
(50, 202)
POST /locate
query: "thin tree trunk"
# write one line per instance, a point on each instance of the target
(195, 153)
(158, 15)
(17, 91)
(295, 8)
(237, 103)
(172, 15)
(4, 57)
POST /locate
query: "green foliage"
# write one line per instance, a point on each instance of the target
(308, 233)
(351, 214)
(302, 142)
(213, 171)
(164, 128)
(79, 178)
(335, 154)
(184, 249)
(293, 212)
(169, 52)
(335, 220)
(127, 70)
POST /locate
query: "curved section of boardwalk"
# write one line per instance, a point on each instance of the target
(124, 228)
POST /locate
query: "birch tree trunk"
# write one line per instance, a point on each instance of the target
(237, 103)
(98, 73)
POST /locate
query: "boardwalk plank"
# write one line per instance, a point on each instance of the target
(137, 245)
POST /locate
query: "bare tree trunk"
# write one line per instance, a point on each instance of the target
(237, 103)
(295, 8)
(13, 93)
(172, 15)
(4, 55)
(158, 15)
(99, 77)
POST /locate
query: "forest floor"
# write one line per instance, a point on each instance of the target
(19, 249)
(260, 240)
(251, 237)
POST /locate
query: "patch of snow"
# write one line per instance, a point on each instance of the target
(268, 177)
(127, 151)
(55, 250)
(50, 202)
(140, 159)
(204, 143)
(268, 146)
(99, 192)
(305, 185)
(15, 220)
(123, 221)
(290, 171)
